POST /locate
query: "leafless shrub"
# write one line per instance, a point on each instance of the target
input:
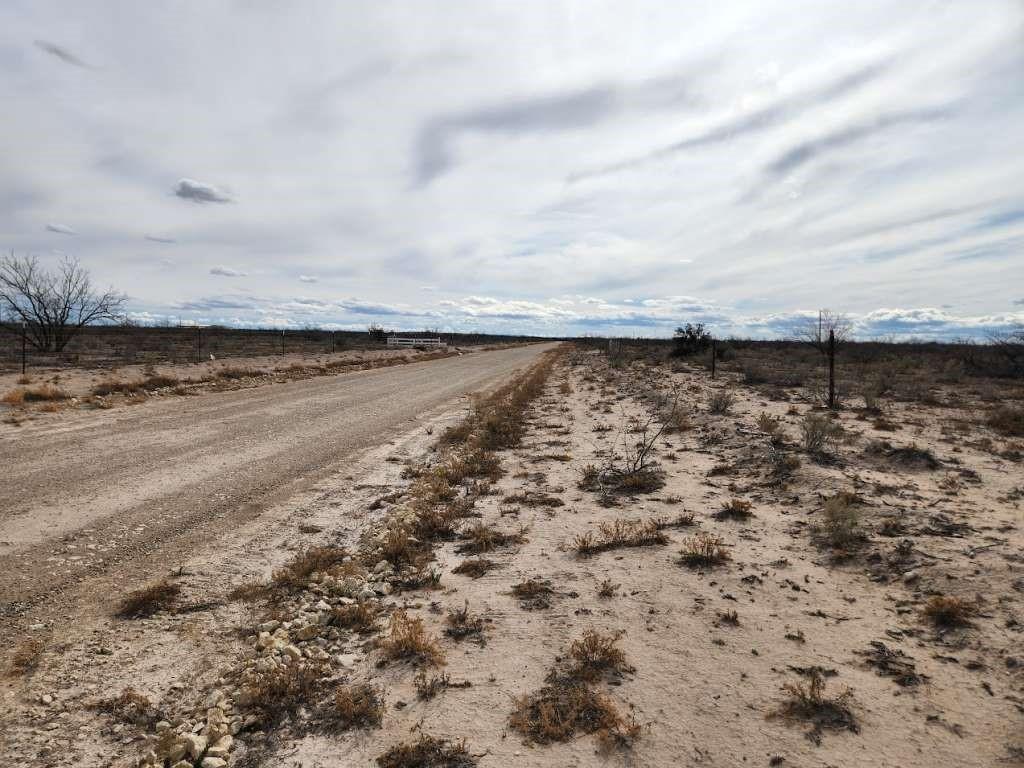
(808, 703)
(475, 567)
(735, 509)
(27, 656)
(150, 600)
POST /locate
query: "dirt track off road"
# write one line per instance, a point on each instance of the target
(97, 498)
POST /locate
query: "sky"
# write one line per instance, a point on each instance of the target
(550, 168)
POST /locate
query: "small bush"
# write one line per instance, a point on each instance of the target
(703, 551)
(357, 706)
(42, 394)
(278, 693)
(475, 567)
(534, 593)
(819, 434)
(594, 655)
(720, 401)
(482, 538)
(809, 703)
(408, 641)
(840, 527)
(360, 617)
(150, 600)
(296, 574)
(1007, 420)
(427, 752)
(948, 612)
(462, 625)
(735, 509)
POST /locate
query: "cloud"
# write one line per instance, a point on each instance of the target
(359, 307)
(197, 191)
(159, 239)
(60, 229)
(61, 53)
(807, 151)
(226, 272)
(572, 109)
(308, 279)
(756, 120)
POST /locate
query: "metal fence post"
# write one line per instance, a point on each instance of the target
(831, 369)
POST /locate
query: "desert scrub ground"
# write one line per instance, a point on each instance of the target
(601, 563)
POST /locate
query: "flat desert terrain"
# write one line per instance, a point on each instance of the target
(595, 562)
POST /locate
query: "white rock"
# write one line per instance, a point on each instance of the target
(292, 651)
(213, 762)
(195, 744)
(221, 748)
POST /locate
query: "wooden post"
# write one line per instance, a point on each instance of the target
(199, 343)
(282, 342)
(24, 346)
(831, 369)
(334, 341)
(714, 356)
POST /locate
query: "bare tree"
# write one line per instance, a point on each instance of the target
(815, 330)
(53, 305)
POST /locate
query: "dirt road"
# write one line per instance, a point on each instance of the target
(102, 497)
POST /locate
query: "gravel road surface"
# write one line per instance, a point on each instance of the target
(95, 499)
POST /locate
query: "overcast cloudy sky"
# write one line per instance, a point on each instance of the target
(547, 167)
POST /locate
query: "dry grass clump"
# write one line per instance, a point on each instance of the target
(427, 752)
(1007, 420)
(619, 534)
(720, 401)
(819, 435)
(735, 509)
(233, 372)
(129, 706)
(356, 706)
(607, 588)
(946, 612)
(278, 692)
(840, 526)
(559, 711)
(27, 656)
(482, 538)
(595, 655)
(809, 704)
(296, 574)
(250, 592)
(150, 600)
(475, 567)
(408, 641)
(399, 547)
(41, 394)
(359, 617)
(534, 593)
(703, 551)
(568, 703)
(462, 625)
